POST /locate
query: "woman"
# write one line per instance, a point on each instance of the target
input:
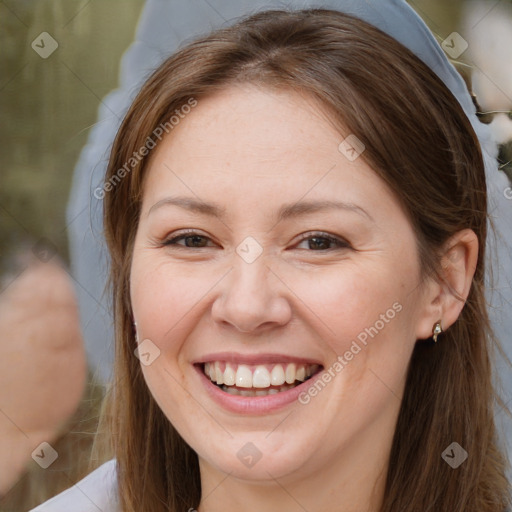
(295, 208)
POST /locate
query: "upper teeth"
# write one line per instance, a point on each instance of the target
(259, 376)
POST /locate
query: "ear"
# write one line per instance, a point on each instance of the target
(445, 296)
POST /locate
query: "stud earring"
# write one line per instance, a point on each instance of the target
(436, 331)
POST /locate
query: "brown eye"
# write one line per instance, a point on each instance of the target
(195, 241)
(323, 242)
(192, 240)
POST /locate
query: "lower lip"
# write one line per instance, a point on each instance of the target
(256, 404)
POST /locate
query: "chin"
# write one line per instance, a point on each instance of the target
(250, 463)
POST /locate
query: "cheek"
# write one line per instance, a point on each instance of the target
(366, 316)
(164, 296)
(366, 319)
(349, 300)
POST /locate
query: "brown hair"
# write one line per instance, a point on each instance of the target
(419, 140)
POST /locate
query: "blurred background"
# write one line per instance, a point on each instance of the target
(48, 392)
(48, 106)
(59, 60)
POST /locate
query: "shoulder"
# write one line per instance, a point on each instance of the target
(97, 491)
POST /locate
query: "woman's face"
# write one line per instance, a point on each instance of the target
(267, 252)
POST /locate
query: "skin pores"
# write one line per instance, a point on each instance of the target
(251, 151)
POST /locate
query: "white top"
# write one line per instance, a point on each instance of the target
(97, 492)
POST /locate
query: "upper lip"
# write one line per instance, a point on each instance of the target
(254, 359)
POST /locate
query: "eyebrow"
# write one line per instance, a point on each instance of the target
(286, 211)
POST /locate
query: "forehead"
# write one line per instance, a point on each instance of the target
(247, 141)
(252, 121)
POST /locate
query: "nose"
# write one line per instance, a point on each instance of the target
(252, 298)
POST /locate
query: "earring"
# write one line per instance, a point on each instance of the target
(436, 330)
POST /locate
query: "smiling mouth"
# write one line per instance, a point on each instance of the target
(258, 380)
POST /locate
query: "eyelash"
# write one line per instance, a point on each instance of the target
(342, 244)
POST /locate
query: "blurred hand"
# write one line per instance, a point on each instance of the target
(42, 364)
